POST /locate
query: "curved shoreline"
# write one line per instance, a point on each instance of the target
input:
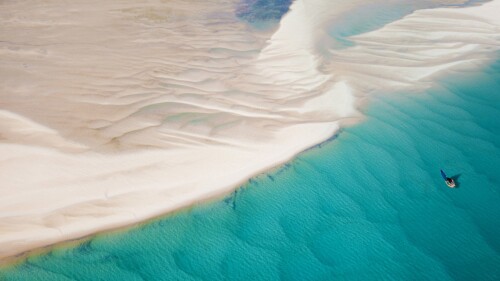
(73, 212)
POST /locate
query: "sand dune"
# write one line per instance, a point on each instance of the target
(114, 113)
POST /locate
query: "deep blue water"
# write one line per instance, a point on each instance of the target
(367, 205)
(262, 13)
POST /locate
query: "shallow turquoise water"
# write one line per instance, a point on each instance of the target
(367, 205)
(368, 17)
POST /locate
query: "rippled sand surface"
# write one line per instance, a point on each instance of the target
(116, 112)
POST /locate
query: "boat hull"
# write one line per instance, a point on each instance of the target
(450, 184)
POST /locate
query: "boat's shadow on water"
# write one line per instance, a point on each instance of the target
(455, 179)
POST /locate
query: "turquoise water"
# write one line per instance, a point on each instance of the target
(368, 17)
(367, 205)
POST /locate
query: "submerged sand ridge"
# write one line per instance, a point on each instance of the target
(113, 113)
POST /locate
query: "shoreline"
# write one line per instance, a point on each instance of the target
(319, 116)
(12, 261)
(215, 195)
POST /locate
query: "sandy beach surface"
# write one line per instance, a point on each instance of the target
(112, 113)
